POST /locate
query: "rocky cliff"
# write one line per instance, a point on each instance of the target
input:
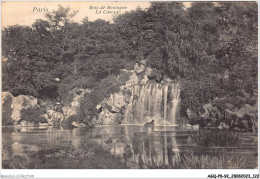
(244, 118)
(12, 106)
(143, 97)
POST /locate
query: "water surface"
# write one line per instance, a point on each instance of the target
(122, 146)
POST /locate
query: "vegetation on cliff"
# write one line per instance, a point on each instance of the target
(210, 47)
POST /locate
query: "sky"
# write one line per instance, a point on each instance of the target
(25, 13)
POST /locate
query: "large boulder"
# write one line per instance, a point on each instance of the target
(46, 117)
(144, 80)
(108, 118)
(54, 117)
(72, 102)
(110, 112)
(5, 96)
(134, 80)
(116, 100)
(16, 104)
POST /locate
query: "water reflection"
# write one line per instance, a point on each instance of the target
(136, 146)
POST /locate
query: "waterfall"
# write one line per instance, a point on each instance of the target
(152, 101)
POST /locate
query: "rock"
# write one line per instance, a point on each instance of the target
(116, 101)
(56, 79)
(55, 117)
(194, 127)
(127, 95)
(43, 126)
(134, 80)
(247, 109)
(167, 79)
(72, 102)
(26, 124)
(223, 126)
(143, 62)
(21, 102)
(94, 122)
(211, 116)
(88, 90)
(99, 108)
(243, 119)
(68, 111)
(5, 96)
(246, 123)
(113, 109)
(77, 124)
(148, 71)
(139, 68)
(149, 124)
(144, 80)
(108, 118)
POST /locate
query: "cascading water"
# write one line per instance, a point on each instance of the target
(152, 101)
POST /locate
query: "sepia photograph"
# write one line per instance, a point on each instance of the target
(129, 85)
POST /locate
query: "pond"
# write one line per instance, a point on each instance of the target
(121, 146)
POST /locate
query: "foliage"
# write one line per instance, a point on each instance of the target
(7, 111)
(221, 161)
(155, 75)
(210, 48)
(89, 156)
(215, 137)
(33, 115)
(103, 90)
(192, 160)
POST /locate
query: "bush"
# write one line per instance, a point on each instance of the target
(156, 59)
(7, 111)
(103, 90)
(215, 137)
(155, 75)
(123, 78)
(33, 115)
(129, 65)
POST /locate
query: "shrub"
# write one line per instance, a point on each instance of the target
(155, 75)
(33, 115)
(129, 65)
(215, 137)
(103, 90)
(123, 78)
(156, 58)
(7, 111)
